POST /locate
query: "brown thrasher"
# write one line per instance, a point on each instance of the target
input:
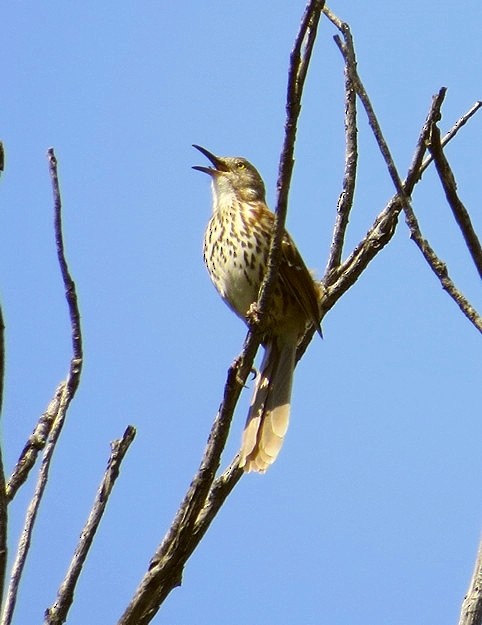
(236, 247)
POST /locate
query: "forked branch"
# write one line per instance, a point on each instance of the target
(59, 406)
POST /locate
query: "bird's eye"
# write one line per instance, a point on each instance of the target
(240, 165)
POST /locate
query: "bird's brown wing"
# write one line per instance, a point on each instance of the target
(297, 278)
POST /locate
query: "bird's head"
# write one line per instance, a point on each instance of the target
(233, 175)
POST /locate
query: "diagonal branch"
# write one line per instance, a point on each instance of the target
(34, 445)
(57, 614)
(383, 228)
(459, 124)
(471, 612)
(440, 269)
(461, 214)
(167, 564)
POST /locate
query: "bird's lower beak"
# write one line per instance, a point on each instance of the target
(217, 162)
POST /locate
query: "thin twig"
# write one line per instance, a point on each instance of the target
(402, 198)
(69, 285)
(3, 496)
(34, 445)
(66, 395)
(38, 438)
(459, 211)
(440, 269)
(345, 200)
(57, 614)
(459, 124)
(346, 48)
(383, 228)
(471, 612)
(31, 515)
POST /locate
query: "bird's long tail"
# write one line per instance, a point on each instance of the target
(269, 412)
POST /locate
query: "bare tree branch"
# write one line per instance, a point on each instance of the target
(32, 511)
(471, 612)
(440, 269)
(339, 278)
(459, 124)
(34, 445)
(346, 48)
(383, 228)
(299, 63)
(345, 200)
(435, 263)
(400, 201)
(67, 393)
(69, 285)
(38, 438)
(461, 214)
(57, 614)
(166, 567)
(3, 496)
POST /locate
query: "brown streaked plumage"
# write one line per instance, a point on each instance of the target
(236, 247)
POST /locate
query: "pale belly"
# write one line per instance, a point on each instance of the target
(233, 265)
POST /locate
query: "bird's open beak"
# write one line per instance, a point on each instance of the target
(217, 162)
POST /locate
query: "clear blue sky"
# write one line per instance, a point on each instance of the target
(373, 512)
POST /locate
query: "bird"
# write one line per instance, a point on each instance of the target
(236, 247)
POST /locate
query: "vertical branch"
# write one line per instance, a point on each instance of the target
(3, 494)
(346, 48)
(299, 63)
(69, 285)
(345, 200)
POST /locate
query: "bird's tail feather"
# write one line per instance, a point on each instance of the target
(269, 412)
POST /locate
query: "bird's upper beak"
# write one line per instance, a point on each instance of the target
(217, 162)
